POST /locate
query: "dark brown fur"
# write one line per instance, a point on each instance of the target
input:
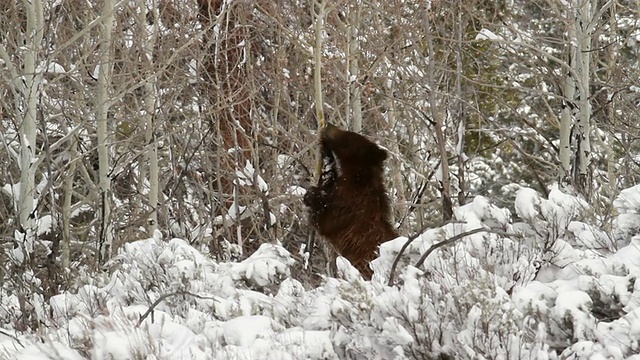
(350, 208)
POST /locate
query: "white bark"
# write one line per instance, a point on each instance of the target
(440, 126)
(31, 92)
(566, 117)
(583, 124)
(103, 104)
(396, 166)
(66, 207)
(612, 179)
(149, 38)
(319, 14)
(318, 11)
(355, 102)
(460, 112)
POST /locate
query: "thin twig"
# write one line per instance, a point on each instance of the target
(161, 298)
(11, 336)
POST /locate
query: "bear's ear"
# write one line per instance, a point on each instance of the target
(330, 132)
(376, 155)
(382, 154)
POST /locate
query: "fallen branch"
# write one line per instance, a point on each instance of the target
(434, 247)
(445, 243)
(404, 247)
(163, 297)
(12, 337)
(458, 237)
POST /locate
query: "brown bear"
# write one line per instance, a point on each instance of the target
(350, 207)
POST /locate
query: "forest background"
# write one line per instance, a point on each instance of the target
(198, 119)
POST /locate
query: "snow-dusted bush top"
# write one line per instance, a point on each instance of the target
(547, 286)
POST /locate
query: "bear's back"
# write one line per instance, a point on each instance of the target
(356, 209)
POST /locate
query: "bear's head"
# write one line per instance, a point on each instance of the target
(351, 149)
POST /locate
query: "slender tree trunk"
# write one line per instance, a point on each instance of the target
(319, 13)
(31, 92)
(609, 110)
(396, 166)
(444, 175)
(568, 105)
(151, 153)
(66, 207)
(355, 103)
(460, 113)
(583, 123)
(103, 104)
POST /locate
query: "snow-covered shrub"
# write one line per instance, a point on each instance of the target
(586, 298)
(627, 223)
(456, 306)
(542, 288)
(161, 294)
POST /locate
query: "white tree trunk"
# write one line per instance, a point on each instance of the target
(103, 104)
(65, 248)
(566, 117)
(319, 18)
(31, 92)
(149, 39)
(396, 166)
(609, 110)
(440, 126)
(319, 12)
(460, 111)
(355, 102)
(583, 124)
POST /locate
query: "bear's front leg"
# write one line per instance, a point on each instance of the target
(314, 199)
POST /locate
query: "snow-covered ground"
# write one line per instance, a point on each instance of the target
(547, 285)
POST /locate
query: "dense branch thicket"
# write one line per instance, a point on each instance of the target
(223, 99)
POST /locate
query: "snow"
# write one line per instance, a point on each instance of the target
(627, 224)
(527, 203)
(51, 67)
(244, 330)
(588, 236)
(248, 175)
(57, 350)
(543, 288)
(572, 302)
(485, 34)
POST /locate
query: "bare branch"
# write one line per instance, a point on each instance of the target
(165, 296)
(456, 238)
